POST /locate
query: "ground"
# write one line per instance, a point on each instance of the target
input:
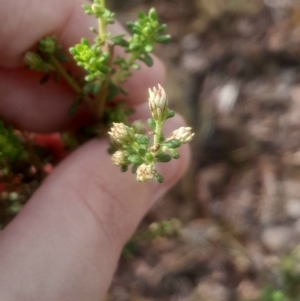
(233, 72)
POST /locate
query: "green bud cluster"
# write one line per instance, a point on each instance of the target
(11, 147)
(48, 45)
(35, 62)
(165, 228)
(141, 150)
(99, 10)
(146, 32)
(46, 58)
(92, 59)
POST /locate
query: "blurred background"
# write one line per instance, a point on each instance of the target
(230, 229)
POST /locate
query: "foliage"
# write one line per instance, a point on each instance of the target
(287, 288)
(23, 160)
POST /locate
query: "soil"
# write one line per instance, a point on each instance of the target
(233, 72)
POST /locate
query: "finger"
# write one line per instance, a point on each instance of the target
(66, 241)
(19, 88)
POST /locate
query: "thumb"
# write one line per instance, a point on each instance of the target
(66, 242)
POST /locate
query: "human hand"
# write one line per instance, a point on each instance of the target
(65, 243)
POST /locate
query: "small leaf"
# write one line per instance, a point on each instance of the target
(124, 168)
(141, 15)
(161, 28)
(149, 157)
(119, 40)
(131, 150)
(148, 48)
(163, 39)
(163, 158)
(147, 59)
(135, 66)
(135, 159)
(159, 178)
(104, 69)
(153, 14)
(171, 114)
(142, 151)
(134, 47)
(173, 143)
(92, 88)
(96, 89)
(61, 57)
(152, 123)
(134, 168)
(175, 154)
(142, 139)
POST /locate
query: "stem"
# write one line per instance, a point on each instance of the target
(157, 134)
(102, 25)
(62, 71)
(100, 99)
(69, 79)
(119, 75)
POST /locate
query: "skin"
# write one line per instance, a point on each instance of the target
(66, 242)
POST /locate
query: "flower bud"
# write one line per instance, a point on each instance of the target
(158, 103)
(145, 172)
(122, 134)
(48, 45)
(35, 62)
(183, 134)
(119, 158)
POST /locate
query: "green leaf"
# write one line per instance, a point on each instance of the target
(141, 15)
(159, 178)
(146, 58)
(135, 159)
(119, 40)
(152, 123)
(104, 69)
(91, 88)
(61, 57)
(163, 39)
(142, 139)
(131, 150)
(175, 154)
(163, 158)
(113, 91)
(173, 143)
(149, 157)
(135, 66)
(142, 151)
(161, 28)
(153, 14)
(134, 47)
(171, 114)
(124, 168)
(134, 168)
(148, 48)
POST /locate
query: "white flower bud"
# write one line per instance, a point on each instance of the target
(119, 158)
(183, 134)
(158, 103)
(145, 172)
(121, 133)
